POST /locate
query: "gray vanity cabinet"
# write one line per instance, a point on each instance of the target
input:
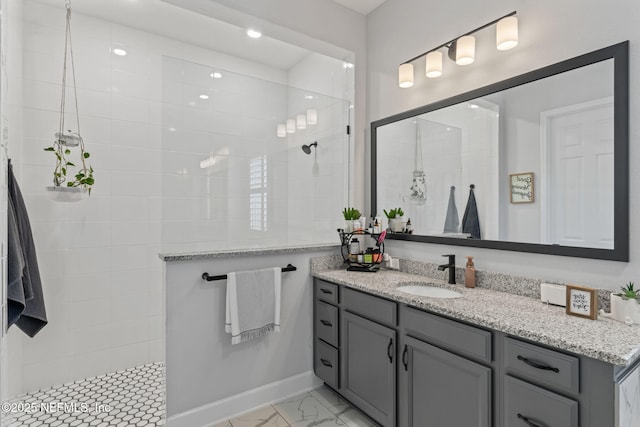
(442, 389)
(369, 367)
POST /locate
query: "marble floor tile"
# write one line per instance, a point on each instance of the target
(307, 411)
(330, 399)
(263, 417)
(351, 417)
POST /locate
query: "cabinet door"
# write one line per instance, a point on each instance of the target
(444, 390)
(368, 367)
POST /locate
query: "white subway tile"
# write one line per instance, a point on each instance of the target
(128, 356)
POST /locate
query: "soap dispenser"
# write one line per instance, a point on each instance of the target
(470, 273)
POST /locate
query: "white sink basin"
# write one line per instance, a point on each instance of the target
(429, 291)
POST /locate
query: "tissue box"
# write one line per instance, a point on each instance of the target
(553, 294)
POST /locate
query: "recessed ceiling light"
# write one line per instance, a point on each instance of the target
(203, 96)
(254, 34)
(216, 75)
(119, 52)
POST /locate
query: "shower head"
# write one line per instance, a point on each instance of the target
(307, 148)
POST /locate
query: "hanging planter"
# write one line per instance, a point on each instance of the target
(418, 189)
(67, 185)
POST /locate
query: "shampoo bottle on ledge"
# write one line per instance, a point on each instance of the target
(470, 274)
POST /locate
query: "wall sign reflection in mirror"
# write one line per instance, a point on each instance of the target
(566, 125)
(521, 187)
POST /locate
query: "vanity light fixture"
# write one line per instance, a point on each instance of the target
(282, 130)
(462, 49)
(291, 126)
(204, 96)
(120, 52)
(312, 117)
(216, 75)
(301, 121)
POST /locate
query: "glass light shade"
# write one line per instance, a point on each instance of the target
(312, 117)
(465, 50)
(507, 33)
(291, 126)
(301, 121)
(434, 64)
(282, 130)
(405, 75)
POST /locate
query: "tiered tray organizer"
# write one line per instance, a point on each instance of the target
(345, 240)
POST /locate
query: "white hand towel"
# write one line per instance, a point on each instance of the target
(253, 303)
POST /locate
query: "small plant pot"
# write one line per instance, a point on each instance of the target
(348, 226)
(625, 310)
(67, 194)
(396, 225)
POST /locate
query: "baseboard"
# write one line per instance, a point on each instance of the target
(232, 406)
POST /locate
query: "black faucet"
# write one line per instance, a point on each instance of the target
(452, 268)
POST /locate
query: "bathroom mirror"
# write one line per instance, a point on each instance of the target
(546, 152)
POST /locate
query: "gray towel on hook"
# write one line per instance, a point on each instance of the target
(34, 316)
(470, 220)
(452, 220)
(16, 298)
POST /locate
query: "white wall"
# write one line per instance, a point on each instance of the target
(548, 34)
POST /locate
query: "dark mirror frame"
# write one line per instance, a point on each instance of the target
(620, 252)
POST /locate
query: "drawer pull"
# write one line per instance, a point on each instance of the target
(390, 350)
(405, 362)
(527, 422)
(325, 362)
(326, 323)
(326, 291)
(538, 365)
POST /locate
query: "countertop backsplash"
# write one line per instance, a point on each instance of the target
(517, 285)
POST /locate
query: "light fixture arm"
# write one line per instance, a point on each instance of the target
(452, 41)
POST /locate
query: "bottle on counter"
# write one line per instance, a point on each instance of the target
(470, 273)
(354, 250)
(409, 227)
(376, 226)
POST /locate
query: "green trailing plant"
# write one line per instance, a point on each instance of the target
(351, 213)
(628, 292)
(394, 213)
(83, 178)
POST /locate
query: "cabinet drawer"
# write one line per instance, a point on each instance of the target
(455, 336)
(326, 291)
(326, 363)
(327, 323)
(369, 306)
(542, 366)
(527, 405)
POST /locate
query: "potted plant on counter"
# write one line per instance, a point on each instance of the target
(395, 217)
(625, 305)
(350, 215)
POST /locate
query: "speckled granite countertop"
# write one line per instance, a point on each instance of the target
(602, 339)
(189, 256)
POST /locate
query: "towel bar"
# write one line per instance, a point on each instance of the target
(205, 276)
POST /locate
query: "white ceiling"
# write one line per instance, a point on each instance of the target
(158, 17)
(361, 6)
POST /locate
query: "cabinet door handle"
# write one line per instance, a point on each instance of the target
(326, 323)
(390, 350)
(527, 422)
(405, 361)
(326, 291)
(325, 362)
(538, 365)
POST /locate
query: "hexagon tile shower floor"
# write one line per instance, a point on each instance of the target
(133, 397)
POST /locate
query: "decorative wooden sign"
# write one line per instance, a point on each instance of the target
(521, 186)
(582, 302)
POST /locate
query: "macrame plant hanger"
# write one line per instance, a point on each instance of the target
(83, 179)
(418, 189)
